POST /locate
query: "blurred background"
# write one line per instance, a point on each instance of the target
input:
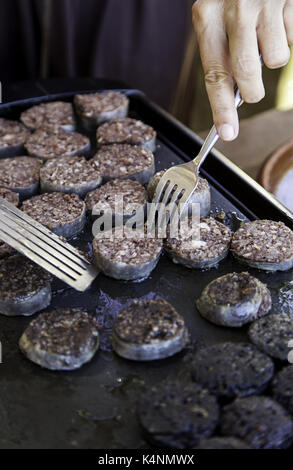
(147, 44)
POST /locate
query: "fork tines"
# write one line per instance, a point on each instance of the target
(44, 248)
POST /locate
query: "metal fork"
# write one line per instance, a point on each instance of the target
(44, 248)
(179, 182)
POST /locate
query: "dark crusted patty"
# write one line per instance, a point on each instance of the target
(178, 415)
(61, 339)
(49, 143)
(234, 300)
(13, 198)
(92, 104)
(125, 131)
(282, 388)
(214, 240)
(134, 250)
(233, 288)
(232, 369)
(272, 334)
(222, 443)
(49, 114)
(69, 171)
(5, 250)
(54, 209)
(259, 421)
(9, 196)
(263, 241)
(21, 279)
(123, 161)
(144, 322)
(131, 193)
(19, 172)
(12, 133)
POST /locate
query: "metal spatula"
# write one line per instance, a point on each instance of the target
(44, 248)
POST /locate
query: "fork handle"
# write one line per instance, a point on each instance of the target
(213, 136)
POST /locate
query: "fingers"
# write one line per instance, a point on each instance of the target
(246, 66)
(272, 36)
(214, 53)
(288, 20)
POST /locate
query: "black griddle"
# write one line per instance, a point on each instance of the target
(95, 407)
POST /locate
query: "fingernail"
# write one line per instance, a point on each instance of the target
(226, 132)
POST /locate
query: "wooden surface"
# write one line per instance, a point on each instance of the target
(259, 136)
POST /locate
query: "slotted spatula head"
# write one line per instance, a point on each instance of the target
(46, 249)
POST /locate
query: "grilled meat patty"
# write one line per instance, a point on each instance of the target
(272, 334)
(175, 414)
(25, 288)
(20, 174)
(200, 245)
(54, 114)
(47, 143)
(62, 339)
(264, 244)
(95, 108)
(259, 421)
(13, 136)
(124, 161)
(127, 131)
(63, 214)
(120, 198)
(234, 300)
(149, 330)
(69, 175)
(127, 256)
(232, 369)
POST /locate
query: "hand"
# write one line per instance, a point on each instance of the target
(231, 33)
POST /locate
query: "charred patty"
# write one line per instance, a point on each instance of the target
(234, 300)
(9, 196)
(47, 143)
(127, 131)
(282, 388)
(201, 196)
(264, 244)
(20, 174)
(232, 369)
(175, 414)
(63, 339)
(54, 114)
(124, 161)
(13, 136)
(120, 197)
(272, 334)
(69, 175)
(25, 288)
(199, 247)
(95, 108)
(259, 421)
(13, 198)
(149, 330)
(127, 256)
(63, 214)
